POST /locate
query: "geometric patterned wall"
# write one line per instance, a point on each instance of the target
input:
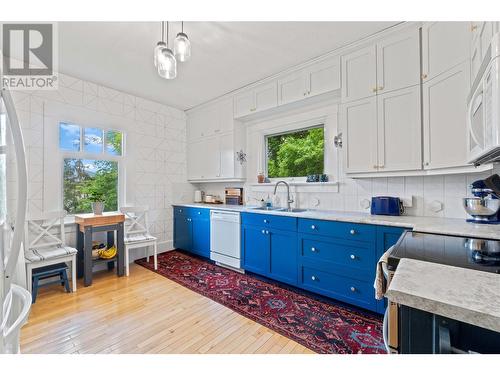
(155, 147)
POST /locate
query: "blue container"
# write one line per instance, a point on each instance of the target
(386, 206)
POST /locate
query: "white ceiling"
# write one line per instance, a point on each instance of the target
(225, 55)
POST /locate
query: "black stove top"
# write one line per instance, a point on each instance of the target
(474, 253)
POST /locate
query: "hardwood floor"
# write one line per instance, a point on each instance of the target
(144, 313)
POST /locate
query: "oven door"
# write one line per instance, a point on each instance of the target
(476, 123)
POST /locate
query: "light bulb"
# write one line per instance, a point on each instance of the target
(182, 47)
(157, 52)
(167, 65)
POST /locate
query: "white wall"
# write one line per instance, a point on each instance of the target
(155, 155)
(427, 191)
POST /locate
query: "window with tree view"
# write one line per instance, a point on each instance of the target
(296, 154)
(90, 167)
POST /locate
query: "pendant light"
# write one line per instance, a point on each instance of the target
(182, 46)
(167, 64)
(159, 46)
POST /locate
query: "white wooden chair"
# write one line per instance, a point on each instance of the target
(45, 245)
(137, 234)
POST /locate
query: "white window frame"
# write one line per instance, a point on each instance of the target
(320, 124)
(55, 113)
(66, 154)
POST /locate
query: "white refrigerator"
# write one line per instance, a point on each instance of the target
(15, 300)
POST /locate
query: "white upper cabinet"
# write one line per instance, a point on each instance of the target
(292, 87)
(318, 78)
(481, 34)
(359, 77)
(203, 159)
(323, 76)
(244, 104)
(211, 119)
(225, 116)
(257, 99)
(444, 46)
(444, 109)
(399, 130)
(266, 96)
(212, 142)
(398, 62)
(359, 129)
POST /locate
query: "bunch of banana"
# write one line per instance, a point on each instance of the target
(107, 253)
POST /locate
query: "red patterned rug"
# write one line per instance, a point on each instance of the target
(322, 327)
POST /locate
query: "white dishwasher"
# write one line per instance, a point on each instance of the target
(225, 247)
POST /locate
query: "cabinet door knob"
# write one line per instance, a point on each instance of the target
(380, 88)
(313, 249)
(424, 76)
(353, 289)
(473, 28)
(313, 227)
(375, 167)
(305, 93)
(263, 231)
(353, 256)
(267, 232)
(374, 89)
(314, 278)
(352, 231)
(266, 221)
(199, 213)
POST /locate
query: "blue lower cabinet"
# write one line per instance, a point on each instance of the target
(183, 232)
(270, 252)
(255, 249)
(346, 289)
(201, 236)
(283, 256)
(192, 230)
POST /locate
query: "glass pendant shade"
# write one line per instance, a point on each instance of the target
(167, 65)
(157, 52)
(182, 47)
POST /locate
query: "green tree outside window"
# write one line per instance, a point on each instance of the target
(296, 154)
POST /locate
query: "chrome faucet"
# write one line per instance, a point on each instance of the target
(288, 200)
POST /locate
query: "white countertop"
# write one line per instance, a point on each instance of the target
(458, 293)
(456, 227)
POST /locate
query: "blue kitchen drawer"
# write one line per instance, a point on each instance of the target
(353, 291)
(193, 212)
(179, 210)
(200, 213)
(269, 221)
(353, 254)
(343, 230)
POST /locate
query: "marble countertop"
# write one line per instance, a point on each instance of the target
(458, 293)
(456, 227)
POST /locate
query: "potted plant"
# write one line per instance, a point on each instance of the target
(97, 202)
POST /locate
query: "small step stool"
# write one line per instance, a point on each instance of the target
(54, 270)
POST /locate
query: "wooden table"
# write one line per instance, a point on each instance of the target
(87, 224)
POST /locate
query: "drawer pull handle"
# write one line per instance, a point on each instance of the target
(313, 249)
(352, 231)
(313, 227)
(314, 278)
(353, 256)
(353, 289)
(266, 221)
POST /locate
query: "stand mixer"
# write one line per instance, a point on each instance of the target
(484, 206)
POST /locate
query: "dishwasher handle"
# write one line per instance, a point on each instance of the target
(232, 217)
